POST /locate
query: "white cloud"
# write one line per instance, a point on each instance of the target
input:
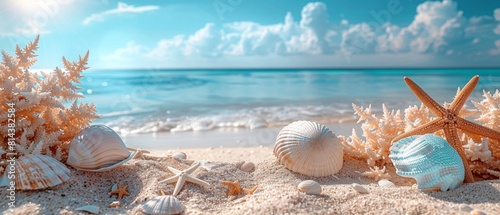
(121, 8)
(132, 49)
(497, 14)
(438, 29)
(496, 51)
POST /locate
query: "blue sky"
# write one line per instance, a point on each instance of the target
(257, 33)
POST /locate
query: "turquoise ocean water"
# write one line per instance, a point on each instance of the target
(146, 101)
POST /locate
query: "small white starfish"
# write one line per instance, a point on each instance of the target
(182, 176)
(139, 152)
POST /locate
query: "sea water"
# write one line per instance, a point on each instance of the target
(147, 101)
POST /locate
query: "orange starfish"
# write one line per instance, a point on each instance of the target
(120, 191)
(448, 120)
(250, 191)
(233, 187)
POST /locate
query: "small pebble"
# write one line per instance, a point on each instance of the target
(115, 204)
(179, 156)
(477, 212)
(247, 166)
(359, 188)
(466, 208)
(385, 183)
(310, 187)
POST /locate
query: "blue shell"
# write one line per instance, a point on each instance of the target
(430, 160)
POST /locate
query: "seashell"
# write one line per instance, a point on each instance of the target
(310, 187)
(360, 188)
(179, 156)
(35, 172)
(309, 148)
(97, 148)
(163, 205)
(386, 183)
(430, 160)
(247, 166)
(115, 204)
(89, 208)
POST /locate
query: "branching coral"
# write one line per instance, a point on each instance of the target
(43, 124)
(378, 133)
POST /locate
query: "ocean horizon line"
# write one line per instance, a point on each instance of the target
(283, 69)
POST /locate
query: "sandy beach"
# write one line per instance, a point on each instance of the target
(277, 191)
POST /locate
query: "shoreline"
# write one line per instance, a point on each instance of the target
(218, 138)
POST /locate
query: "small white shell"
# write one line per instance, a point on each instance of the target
(89, 208)
(309, 148)
(97, 148)
(361, 189)
(179, 156)
(35, 172)
(310, 187)
(115, 204)
(163, 205)
(430, 160)
(247, 166)
(386, 183)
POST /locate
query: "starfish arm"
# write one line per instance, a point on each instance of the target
(197, 181)
(433, 106)
(170, 180)
(174, 170)
(192, 168)
(426, 128)
(452, 137)
(473, 128)
(178, 186)
(462, 96)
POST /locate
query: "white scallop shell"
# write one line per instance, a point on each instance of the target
(360, 188)
(97, 148)
(309, 148)
(247, 166)
(430, 160)
(386, 183)
(89, 208)
(35, 172)
(310, 187)
(163, 205)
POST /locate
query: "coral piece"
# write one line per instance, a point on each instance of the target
(378, 133)
(43, 124)
(181, 177)
(376, 173)
(119, 191)
(449, 121)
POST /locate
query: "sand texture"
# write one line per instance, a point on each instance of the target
(277, 192)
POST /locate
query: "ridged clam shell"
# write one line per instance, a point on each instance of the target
(310, 187)
(97, 148)
(430, 160)
(309, 148)
(163, 205)
(35, 172)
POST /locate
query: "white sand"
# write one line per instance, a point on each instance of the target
(277, 192)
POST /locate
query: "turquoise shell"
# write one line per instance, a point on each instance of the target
(430, 160)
